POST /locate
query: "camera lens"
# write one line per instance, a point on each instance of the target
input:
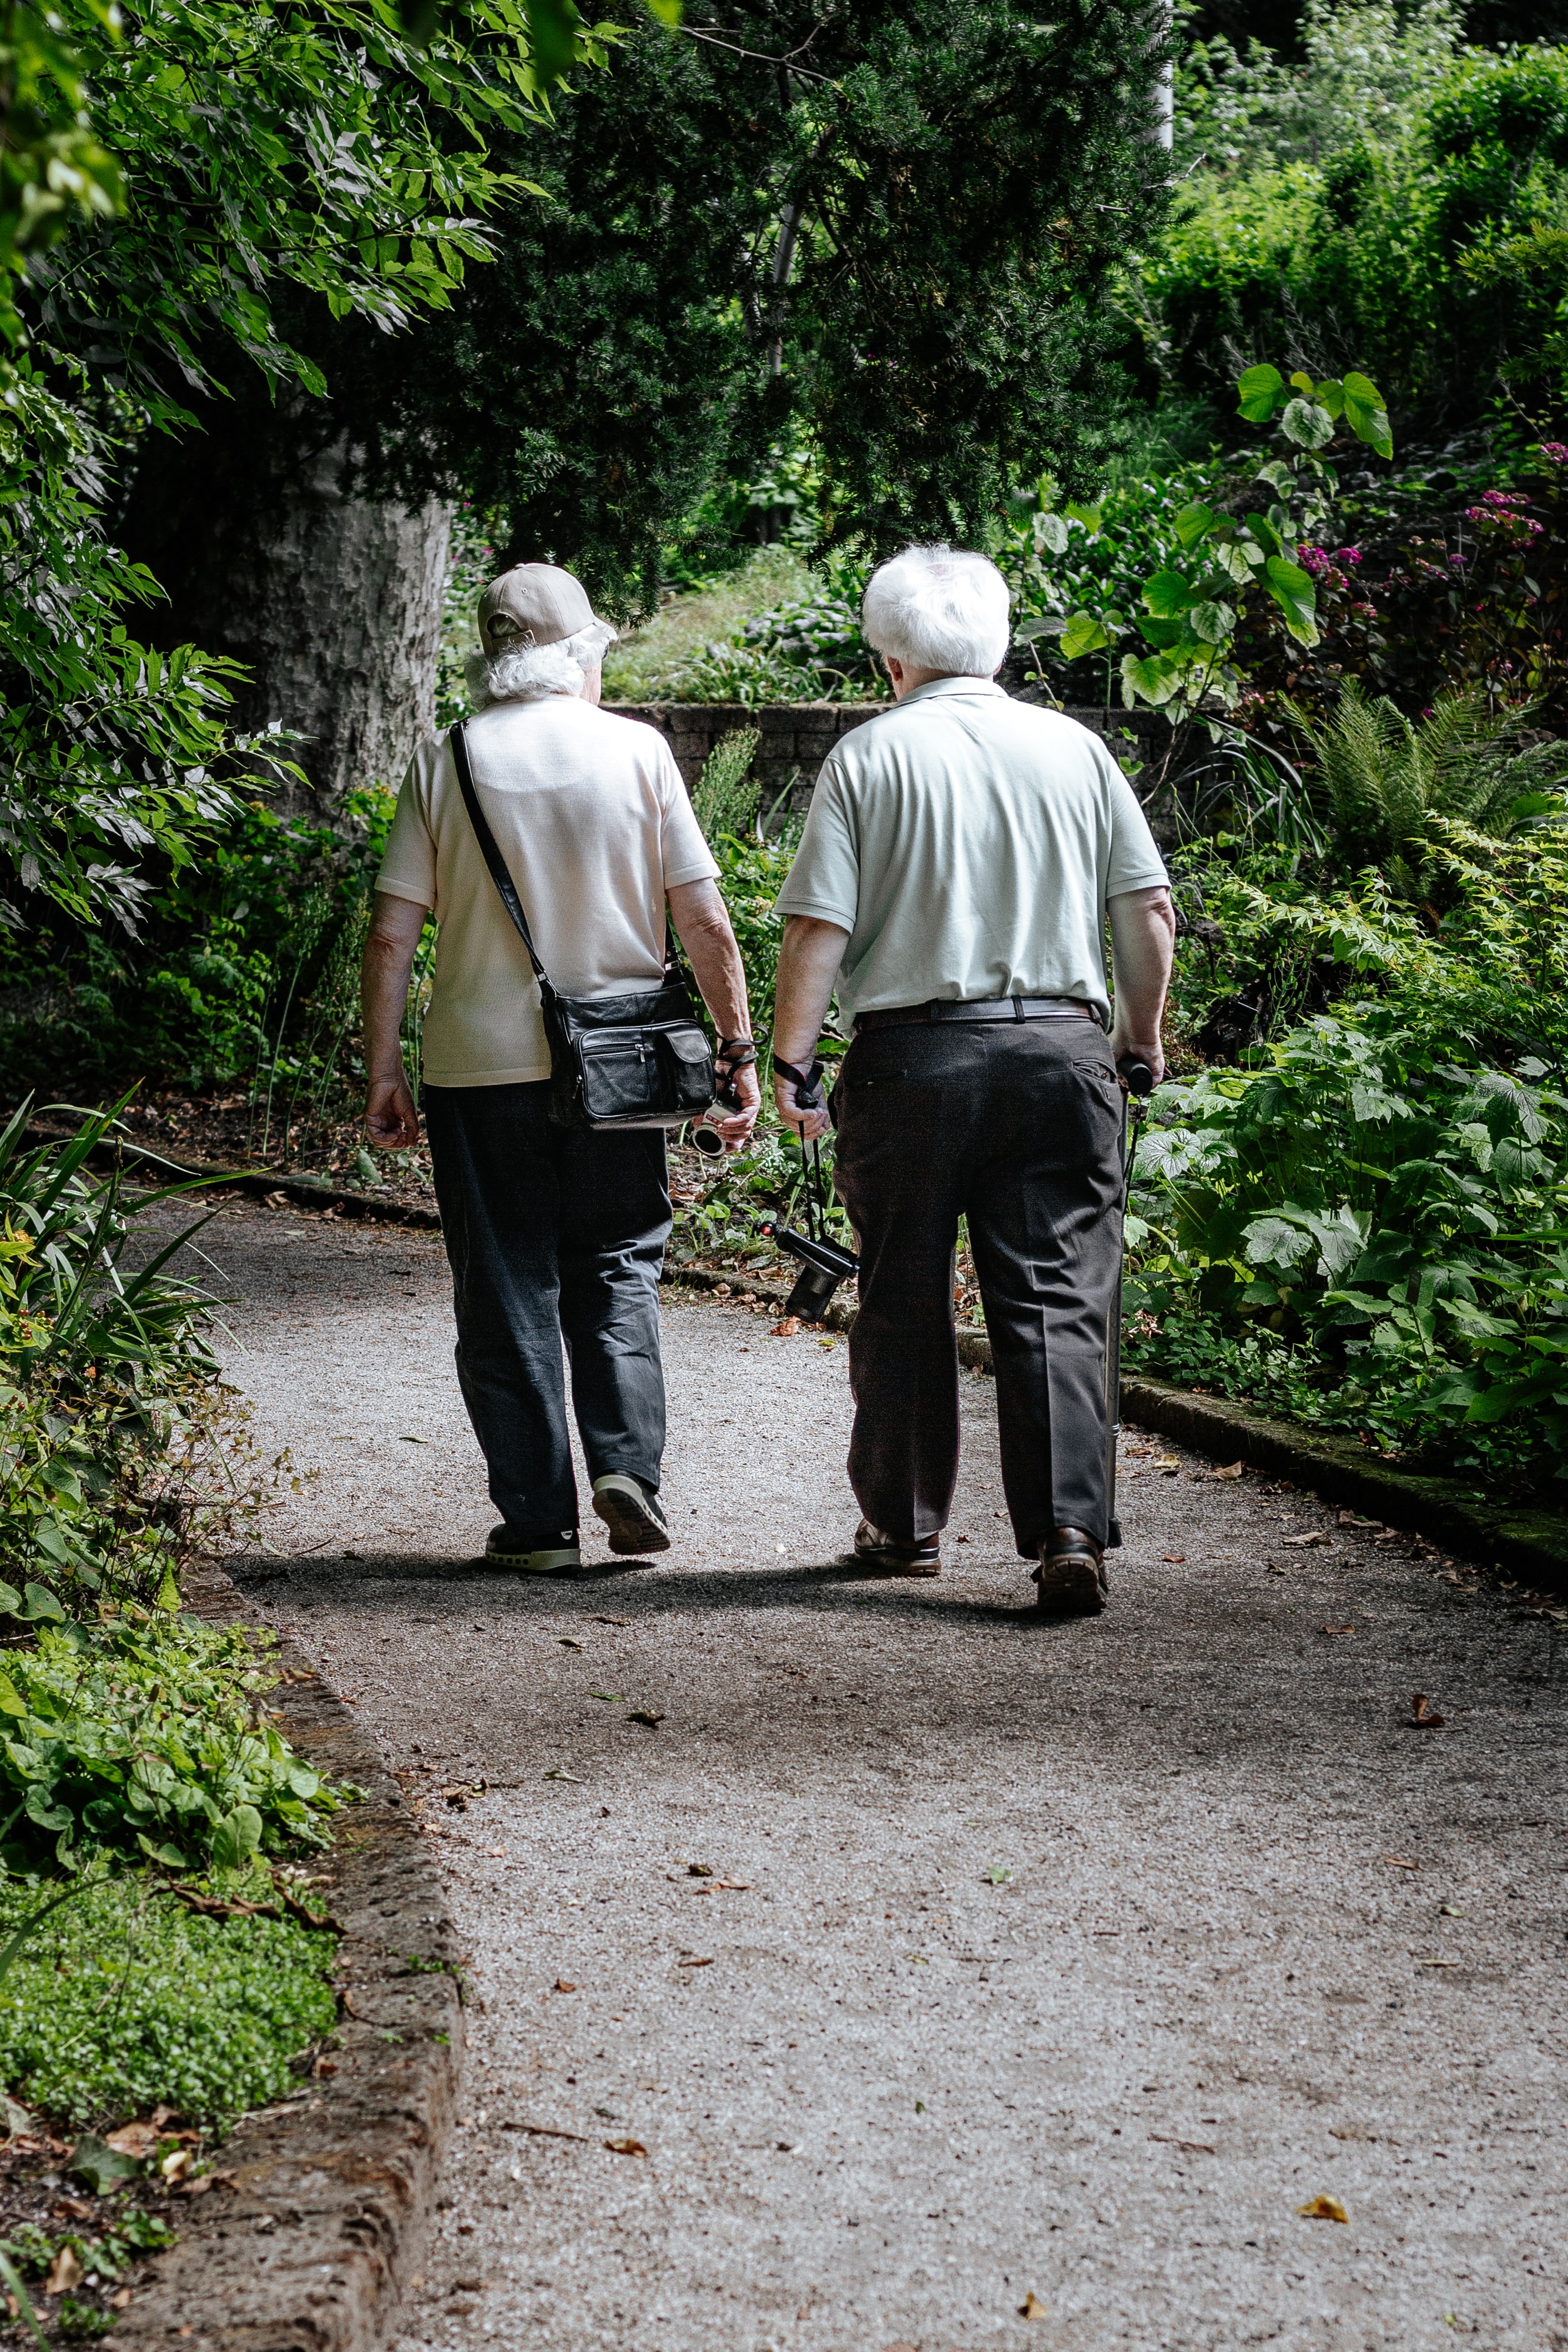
(704, 1140)
(812, 1294)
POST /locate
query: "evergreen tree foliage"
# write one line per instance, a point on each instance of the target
(885, 230)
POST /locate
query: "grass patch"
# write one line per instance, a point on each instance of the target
(123, 2000)
(646, 666)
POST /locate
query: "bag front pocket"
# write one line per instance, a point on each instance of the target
(619, 1074)
(688, 1068)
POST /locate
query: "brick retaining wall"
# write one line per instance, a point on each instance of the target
(798, 736)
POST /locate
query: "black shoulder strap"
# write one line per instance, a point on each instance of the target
(499, 872)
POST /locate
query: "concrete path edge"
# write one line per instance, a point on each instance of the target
(1520, 1542)
(315, 2242)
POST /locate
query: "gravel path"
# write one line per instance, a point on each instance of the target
(946, 1966)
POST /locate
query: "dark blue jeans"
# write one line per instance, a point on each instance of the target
(551, 1233)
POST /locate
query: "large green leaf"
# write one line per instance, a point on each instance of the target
(1308, 424)
(1292, 591)
(1168, 595)
(1153, 680)
(1365, 413)
(1083, 634)
(1191, 523)
(1261, 390)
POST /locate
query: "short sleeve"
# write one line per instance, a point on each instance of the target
(1134, 863)
(685, 853)
(825, 881)
(408, 867)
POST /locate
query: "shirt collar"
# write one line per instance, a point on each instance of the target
(935, 685)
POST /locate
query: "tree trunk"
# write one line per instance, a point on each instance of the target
(332, 601)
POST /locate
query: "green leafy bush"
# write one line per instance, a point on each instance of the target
(143, 1739)
(124, 2001)
(1369, 1235)
(120, 1449)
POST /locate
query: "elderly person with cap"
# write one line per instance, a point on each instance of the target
(551, 1231)
(954, 879)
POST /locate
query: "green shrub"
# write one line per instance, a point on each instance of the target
(124, 2001)
(119, 1450)
(1422, 239)
(1370, 1236)
(145, 1739)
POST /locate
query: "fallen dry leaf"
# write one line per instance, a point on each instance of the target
(1177, 1559)
(544, 2131)
(1422, 1716)
(648, 1714)
(1339, 1628)
(1031, 2307)
(687, 1962)
(625, 2148)
(787, 1329)
(611, 1621)
(66, 2273)
(1298, 1543)
(1231, 1470)
(121, 2302)
(567, 1642)
(1187, 2146)
(561, 1985)
(1399, 1862)
(1323, 2209)
(1349, 1520)
(132, 2139)
(175, 2167)
(699, 1870)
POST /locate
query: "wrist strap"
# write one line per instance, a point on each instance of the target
(739, 1052)
(808, 1094)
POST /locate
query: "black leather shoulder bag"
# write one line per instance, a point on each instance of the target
(638, 1060)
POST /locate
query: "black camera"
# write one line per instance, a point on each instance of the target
(823, 1265)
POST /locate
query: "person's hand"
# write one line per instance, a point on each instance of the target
(1140, 1049)
(808, 1124)
(735, 1125)
(392, 1122)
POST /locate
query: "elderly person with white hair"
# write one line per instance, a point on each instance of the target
(551, 1231)
(953, 882)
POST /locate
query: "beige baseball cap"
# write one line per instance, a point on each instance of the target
(532, 604)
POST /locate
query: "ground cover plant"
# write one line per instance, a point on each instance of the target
(139, 1773)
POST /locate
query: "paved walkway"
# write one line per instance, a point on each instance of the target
(947, 1966)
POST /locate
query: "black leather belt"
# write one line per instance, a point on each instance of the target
(985, 1008)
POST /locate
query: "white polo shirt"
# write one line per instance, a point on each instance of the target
(968, 844)
(595, 824)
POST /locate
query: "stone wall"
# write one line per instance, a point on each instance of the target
(798, 736)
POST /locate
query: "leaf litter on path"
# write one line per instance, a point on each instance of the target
(1423, 1715)
(1323, 2209)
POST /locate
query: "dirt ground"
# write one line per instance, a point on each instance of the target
(926, 1975)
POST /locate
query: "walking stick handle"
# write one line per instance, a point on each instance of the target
(1135, 1076)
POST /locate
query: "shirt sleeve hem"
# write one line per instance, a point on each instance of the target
(418, 893)
(1152, 878)
(816, 909)
(706, 873)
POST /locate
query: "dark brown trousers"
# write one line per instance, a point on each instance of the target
(1017, 1126)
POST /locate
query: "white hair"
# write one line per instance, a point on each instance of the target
(526, 673)
(939, 608)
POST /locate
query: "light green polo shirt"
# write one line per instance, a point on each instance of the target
(968, 844)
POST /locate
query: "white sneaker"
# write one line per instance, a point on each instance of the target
(631, 1513)
(507, 1547)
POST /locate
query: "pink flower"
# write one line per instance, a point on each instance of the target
(1348, 555)
(1503, 498)
(1557, 451)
